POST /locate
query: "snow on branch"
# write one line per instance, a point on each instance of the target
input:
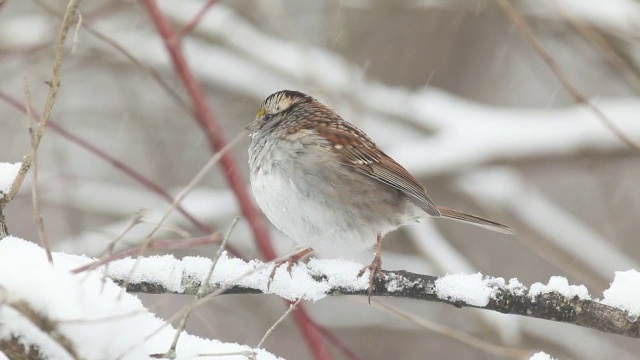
(47, 312)
(8, 173)
(557, 300)
(76, 310)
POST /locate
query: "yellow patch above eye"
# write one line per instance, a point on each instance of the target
(260, 112)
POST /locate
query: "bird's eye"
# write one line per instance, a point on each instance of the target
(267, 117)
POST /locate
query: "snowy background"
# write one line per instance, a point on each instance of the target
(451, 89)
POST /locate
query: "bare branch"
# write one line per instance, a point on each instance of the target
(209, 123)
(184, 192)
(37, 214)
(526, 31)
(155, 245)
(292, 307)
(171, 353)
(126, 169)
(45, 324)
(155, 75)
(459, 335)
(54, 85)
(599, 41)
(196, 19)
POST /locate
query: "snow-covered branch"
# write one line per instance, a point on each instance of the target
(557, 301)
(47, 312)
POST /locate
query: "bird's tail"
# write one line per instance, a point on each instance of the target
(474, 220)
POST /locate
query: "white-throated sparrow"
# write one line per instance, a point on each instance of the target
(324, 183)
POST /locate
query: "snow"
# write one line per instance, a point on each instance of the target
(314, 281)
(168, 271)
(8, 172)
(81, 307)
(560, 285)
(340, 273)
(469, 288)
(99, 323)
(472, 289)
(516, 287)
(541, 356)
(624, 292)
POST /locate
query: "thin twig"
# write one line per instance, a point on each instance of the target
(216, 257)
(37, 214)
(599, 41)
(167, 227)
(44, 324)
(119, 165)
(54, 85)
(155, 245)
(248, 354)
(184, 192)
(333, 339)
(524, 28)
(171, 353)
(133, 221)
(199, 302)
(292, 307)
(454, 333)
(155, 75)
(107, 318)
(196, 19)
(76, 33)
(127, 170)
(208, 122)
(233, 176)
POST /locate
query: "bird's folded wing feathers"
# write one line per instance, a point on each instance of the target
(361, 154)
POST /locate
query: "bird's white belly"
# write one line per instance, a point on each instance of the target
(307, 216)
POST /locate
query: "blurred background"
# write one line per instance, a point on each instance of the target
(451, 88)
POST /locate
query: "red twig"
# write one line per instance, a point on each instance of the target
(208, 122)
(231, 171)
(154, 245)
(196, 19)
(338, 344)
(147, 183)
(141, 179)
(311, 332)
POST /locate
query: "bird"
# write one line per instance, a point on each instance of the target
(324, 183)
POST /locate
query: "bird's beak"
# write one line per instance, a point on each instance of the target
(253, 126)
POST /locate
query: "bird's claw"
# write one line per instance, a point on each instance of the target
(375, 270)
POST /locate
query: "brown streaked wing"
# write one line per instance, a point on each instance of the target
(364, 156)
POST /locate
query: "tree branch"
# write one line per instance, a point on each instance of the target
(54, 84)
(403, 284)
(45, 325)
(580, 98)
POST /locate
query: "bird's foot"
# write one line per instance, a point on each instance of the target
(375, 270)
(292, 260)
